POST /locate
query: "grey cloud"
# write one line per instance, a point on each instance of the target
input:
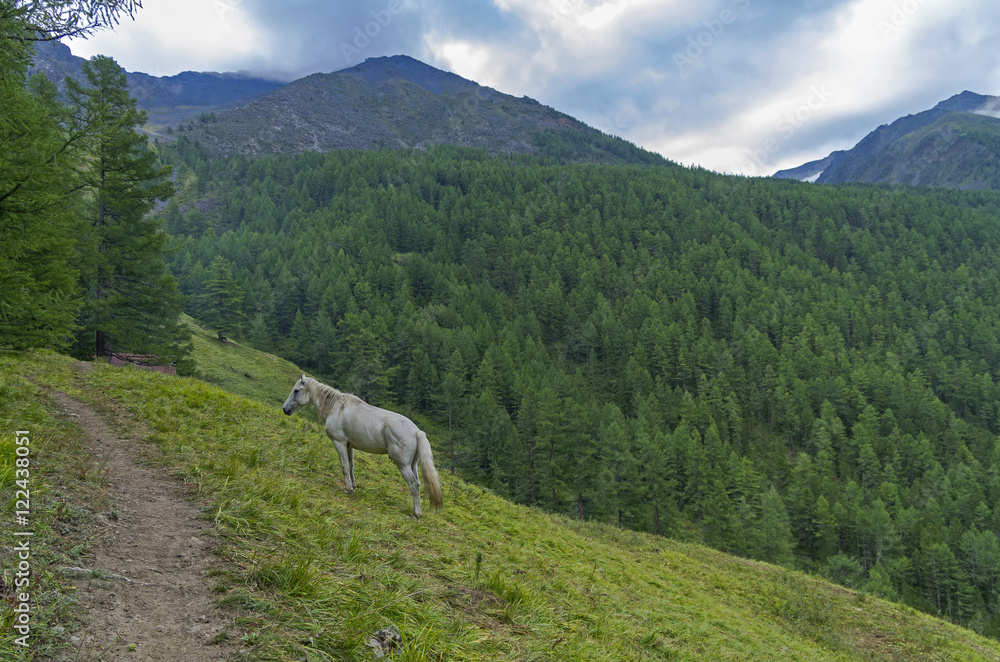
(317, 35)
(652, 73)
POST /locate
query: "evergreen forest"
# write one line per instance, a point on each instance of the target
(796, 373)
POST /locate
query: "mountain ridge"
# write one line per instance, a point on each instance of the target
(398, 102)
(167, 100)
(955, 144)
(390, 102)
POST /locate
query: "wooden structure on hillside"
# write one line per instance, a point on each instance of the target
(143, 361)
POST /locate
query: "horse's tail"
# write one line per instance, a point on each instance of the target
(426, 462)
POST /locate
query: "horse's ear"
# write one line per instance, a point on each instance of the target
(303, 378)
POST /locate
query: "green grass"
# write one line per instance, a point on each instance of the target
(66, 488)
(313, 572)
(238, 368)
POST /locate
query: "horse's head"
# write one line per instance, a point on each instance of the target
(298, 397)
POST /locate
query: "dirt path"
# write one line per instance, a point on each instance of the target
(142, 587)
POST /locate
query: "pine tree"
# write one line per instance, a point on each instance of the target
(550, 442)
(132, 302)
(801, 502)
(824, 529)
(946, 584)
(324, 339)
(364, 359)
(452, 388)
(259, 334)
(421, 380)
(878, 535)
(981, 560)
(57, 19)
(626, 490)
(774, 534)
(659, 480)
(220, 307)
(720, 515)
(298, 339)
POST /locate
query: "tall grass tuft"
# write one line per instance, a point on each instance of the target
(293, 576)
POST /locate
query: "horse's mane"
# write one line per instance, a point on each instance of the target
(327, 398)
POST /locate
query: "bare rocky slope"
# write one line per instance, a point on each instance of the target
(398, 102)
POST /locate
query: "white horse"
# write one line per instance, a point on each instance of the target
(353, 423)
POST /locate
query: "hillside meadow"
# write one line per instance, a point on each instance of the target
(312, 571)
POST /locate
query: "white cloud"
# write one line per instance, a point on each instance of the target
(170, 36)
(467, 60)
(606, 13)
(991, 108)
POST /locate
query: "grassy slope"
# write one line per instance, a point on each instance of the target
(239, 369)
(315, 571)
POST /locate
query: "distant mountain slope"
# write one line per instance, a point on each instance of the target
(956, 144)
(382, 103)
(399, 102)
(168, 100)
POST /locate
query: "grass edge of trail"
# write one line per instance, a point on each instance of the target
(67, 491)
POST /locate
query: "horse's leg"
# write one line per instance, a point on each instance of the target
(344, 451)
(350, 462)
(411, 478)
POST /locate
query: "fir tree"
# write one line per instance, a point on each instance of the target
(132, 302)
(774, 534)
(220, 307)
(452, 388)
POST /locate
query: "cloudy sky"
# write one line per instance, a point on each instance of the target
(742, 86)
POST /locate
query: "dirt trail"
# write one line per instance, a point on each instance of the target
(143, 583)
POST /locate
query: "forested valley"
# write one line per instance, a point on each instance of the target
(796, 373)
